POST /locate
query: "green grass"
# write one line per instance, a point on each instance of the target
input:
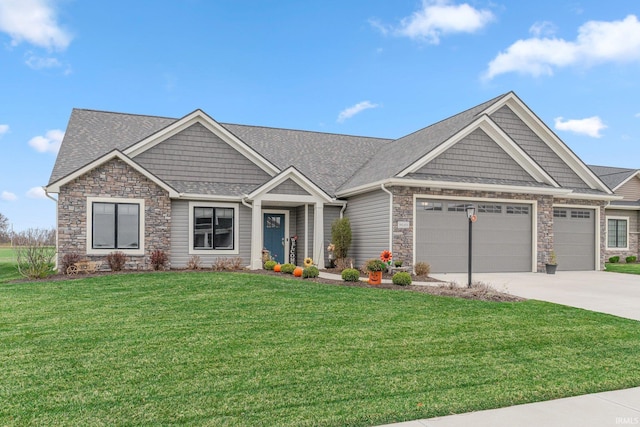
(623, 268)
(8, 270)
(242, 349)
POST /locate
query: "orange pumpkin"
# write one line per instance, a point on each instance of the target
(297, 272)
(277, 267)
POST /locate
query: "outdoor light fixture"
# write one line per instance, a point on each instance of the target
(471, 215)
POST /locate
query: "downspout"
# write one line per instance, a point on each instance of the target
(46, 193)
(344, 207)
(382, 187)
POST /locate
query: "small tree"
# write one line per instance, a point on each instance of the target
(341, 236)
(4, 229)
(34, 252)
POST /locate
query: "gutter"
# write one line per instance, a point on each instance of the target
(46, 193)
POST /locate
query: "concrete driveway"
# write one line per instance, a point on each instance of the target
(612, 293)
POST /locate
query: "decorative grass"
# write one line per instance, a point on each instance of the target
(623, 268)
(226, 349)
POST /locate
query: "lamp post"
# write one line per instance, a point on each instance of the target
(471, 215)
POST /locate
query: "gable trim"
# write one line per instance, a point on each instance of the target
(199, 116)
(629, 178)
(543, 132)
(497, 135)
(115, 154)
(292, 173)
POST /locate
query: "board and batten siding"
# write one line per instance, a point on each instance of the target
(180, 236)
(369, 217)
(196, 154)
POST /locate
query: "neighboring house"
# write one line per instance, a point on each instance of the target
(622, 216)
(193, 186)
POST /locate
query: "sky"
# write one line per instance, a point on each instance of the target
(362, 67)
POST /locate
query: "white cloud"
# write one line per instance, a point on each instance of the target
(33, 21)
(439, 17)
(36, 193)
(544, 28)
(590, 126)
(37, 62)
(4, 129)
(597, 42)
(48, 143)
(8, 196)
(347, 113)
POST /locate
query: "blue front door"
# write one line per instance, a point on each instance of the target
(274, 236)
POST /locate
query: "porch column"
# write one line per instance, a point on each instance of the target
(256, 235)
(318, 234)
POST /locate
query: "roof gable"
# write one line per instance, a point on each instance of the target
(288, 178)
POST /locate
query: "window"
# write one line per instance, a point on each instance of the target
(580, 214)
(518, 210)
(490, 209)
(213, 227)
(432, 206)
(617, 233)
(457, 207)
(114, 224)
(559, 213)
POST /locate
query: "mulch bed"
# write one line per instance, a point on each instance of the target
(478, 291)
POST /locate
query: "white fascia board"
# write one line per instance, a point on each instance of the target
(293, 174)
(198, 116)
(499, 137)
(585, 196)
(637, 174)
(622, 208)
(208, 197)
(451, 185)
(551, 139)
(115, 154)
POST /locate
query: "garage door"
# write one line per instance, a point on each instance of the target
(502, 237)
(574, 238)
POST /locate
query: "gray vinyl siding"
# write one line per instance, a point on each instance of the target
(289, 187)
(180, 236)
(369, 217)
(630, 190)
(478, 156)
(331, 213)
(196, 154)
(536, 148)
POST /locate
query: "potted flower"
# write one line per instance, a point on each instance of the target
(397, 263)
(552, 264)
(375, 268)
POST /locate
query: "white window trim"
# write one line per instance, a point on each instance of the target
(614, 248)
(89, 246)
(236, 228)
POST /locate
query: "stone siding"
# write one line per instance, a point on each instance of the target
(403, 210)
(113, 179)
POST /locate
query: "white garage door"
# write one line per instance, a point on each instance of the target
(574, 238)
(502, 236)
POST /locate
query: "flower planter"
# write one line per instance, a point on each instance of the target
(375, 277)
(551, 268)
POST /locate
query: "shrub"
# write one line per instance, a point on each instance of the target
(341, 236)
(269, 265)
(158, 259)
(116, 260)
(287, 268)
(422, 268)
(310, 272)
(350, 275)
(235, 263)
(397, 263)
(375, 265)
(401, 278)
(194, 263)
(343, 263)
(614, 259)
(631, 259)
(68, 260)
(34, 253)
(219, 264)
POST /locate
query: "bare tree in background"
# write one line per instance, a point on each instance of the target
(35, 252)
(4, 229)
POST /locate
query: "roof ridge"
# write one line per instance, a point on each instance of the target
(307, 131)
(123, 114)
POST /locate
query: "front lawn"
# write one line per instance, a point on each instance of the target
(244, 349)
(623, 268)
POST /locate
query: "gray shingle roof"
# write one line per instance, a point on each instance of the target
(396, 156)
(612, 176)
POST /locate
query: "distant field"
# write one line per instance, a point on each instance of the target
(6, 254)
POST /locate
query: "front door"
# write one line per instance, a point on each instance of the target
(274, 236)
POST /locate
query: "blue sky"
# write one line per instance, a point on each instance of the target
(371, 67)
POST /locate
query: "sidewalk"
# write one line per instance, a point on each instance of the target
(611, 408)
